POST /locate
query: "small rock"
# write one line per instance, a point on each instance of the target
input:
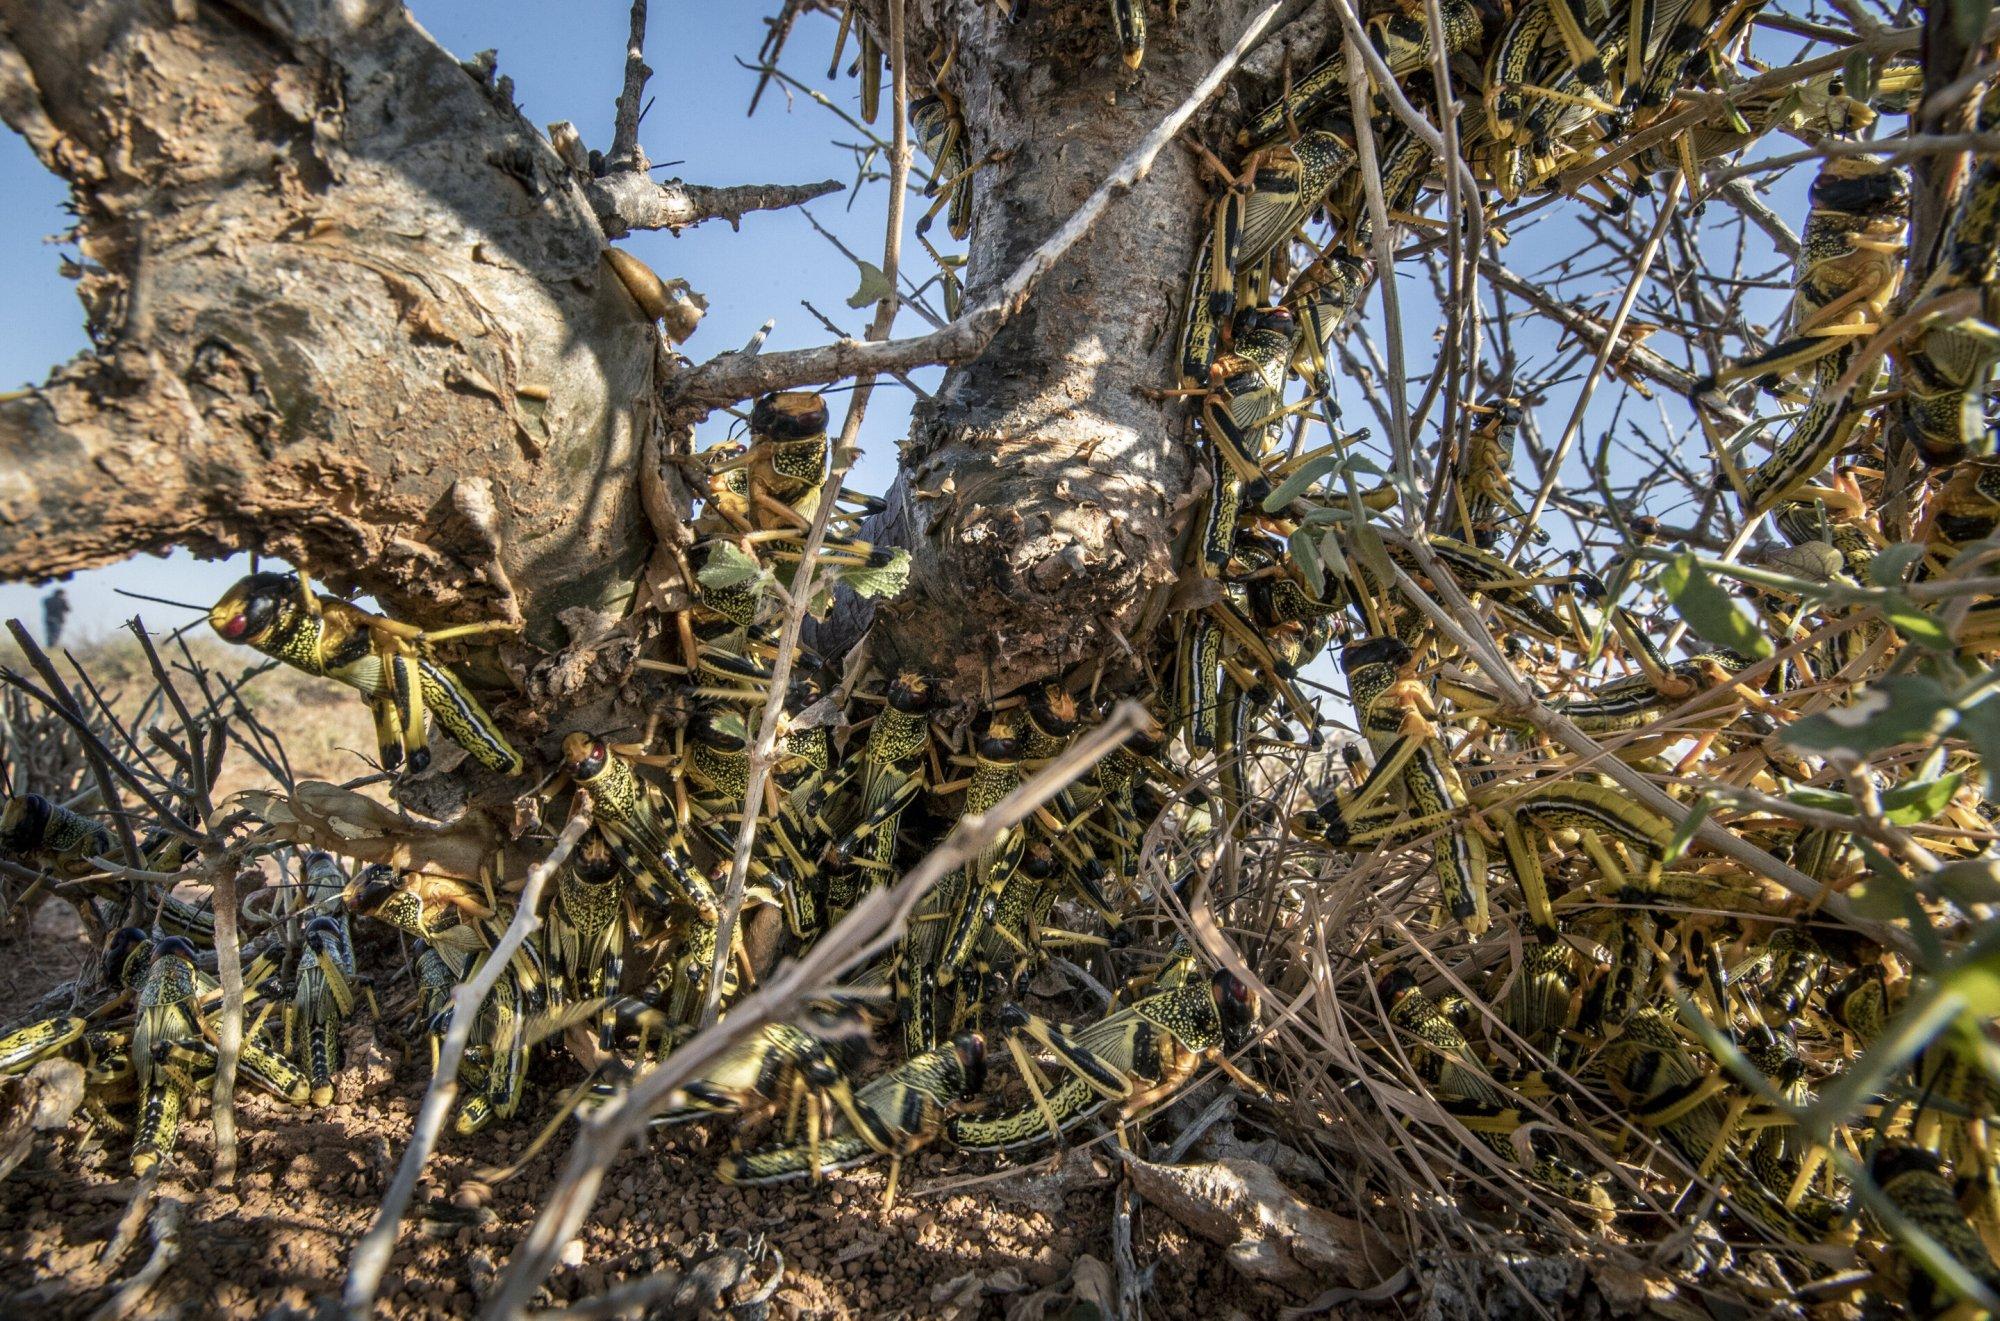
(1267, 1232)
(369, 1072)
(299, 1175)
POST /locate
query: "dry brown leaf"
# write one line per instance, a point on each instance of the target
(1265, 1230)
(42, 1099)
(325, 816)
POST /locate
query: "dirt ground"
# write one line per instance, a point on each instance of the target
(309, 1182)
(278, 1243)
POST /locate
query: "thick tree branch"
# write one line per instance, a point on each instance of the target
(339, 278)
(630, 200)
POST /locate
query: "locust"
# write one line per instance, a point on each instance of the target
(896, 1115)
(29, 1045)
(1445, 1059)
(793, 1069)
(394, 665)
(641, 828)
(1133, 1059)
(777, 480)
(1945, 365)
(998, 755)
(886, 778)
(1915, 1183)
(1246, 395)
(47, 834)
(172, 1051)
(1850, 266)
(1396, 715)
(1401, 34)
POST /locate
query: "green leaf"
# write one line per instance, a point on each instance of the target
(1979, 725)
(1790, 107)
(1334, 558)
(879, 581)
(874, 288)
(1914, 624)
(1905, 709)
(1709, 609)
(1968, 882)
(1684, 832)
(728, 566)
(1305, 553)
(1858, 74)
(1885, 893)
(1907, 804)
(1823, 800)
(1892, 563)
(1374, 556)
(1904, 805)
(1301, 481)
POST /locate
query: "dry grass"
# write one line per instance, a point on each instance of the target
(322, 729)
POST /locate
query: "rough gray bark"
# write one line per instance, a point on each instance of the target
(350, 309)
(1041, 487)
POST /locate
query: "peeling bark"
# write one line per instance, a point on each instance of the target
(333, 278)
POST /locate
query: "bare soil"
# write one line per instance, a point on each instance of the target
(278, 1243)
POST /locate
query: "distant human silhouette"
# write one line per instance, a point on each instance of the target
(55, 613)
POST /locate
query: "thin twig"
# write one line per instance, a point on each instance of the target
(372, 1253)
(229, 1039)
(1574, 427)
(103, 763)
(764, 751)
(731, 377)
(625, 153)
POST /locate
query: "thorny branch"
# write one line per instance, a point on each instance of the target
(629, 200)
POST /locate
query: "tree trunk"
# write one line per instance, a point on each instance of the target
(1041, 486)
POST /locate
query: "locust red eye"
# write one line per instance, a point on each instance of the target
(235, 627)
